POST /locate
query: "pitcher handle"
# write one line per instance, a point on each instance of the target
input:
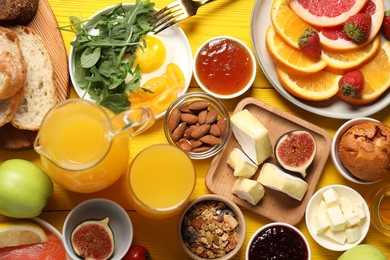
(136, 120)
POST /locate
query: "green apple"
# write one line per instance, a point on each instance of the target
(363, 252)
(24, 189)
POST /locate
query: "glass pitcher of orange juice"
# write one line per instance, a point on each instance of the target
(84, 147)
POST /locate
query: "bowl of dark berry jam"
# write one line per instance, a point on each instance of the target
(280, 241)
(224, 67)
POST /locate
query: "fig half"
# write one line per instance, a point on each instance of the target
(93, 239)
(295, 151)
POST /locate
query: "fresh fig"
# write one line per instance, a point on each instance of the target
(93, 239)
(295, 151)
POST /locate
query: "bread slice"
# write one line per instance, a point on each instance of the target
(9, 106)
(12, 66)
(40, 92)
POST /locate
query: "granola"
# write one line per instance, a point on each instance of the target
(210, 229)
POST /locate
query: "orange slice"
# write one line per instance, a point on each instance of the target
(315, 87)
(342, 61)
(291, 59)
(376, 75)
(287, 23)
(326, 13)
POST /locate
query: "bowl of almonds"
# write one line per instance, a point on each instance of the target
(197, 123)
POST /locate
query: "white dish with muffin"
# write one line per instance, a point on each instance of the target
(361, 150)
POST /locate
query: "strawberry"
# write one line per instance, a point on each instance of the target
(386, 25)
(358, 27)
(351, 84)
(309, 42)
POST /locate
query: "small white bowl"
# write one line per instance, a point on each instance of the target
(312, 206)
(241, 91)
(97, 209)
(334, 149)
(277, 224)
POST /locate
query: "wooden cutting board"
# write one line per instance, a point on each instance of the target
(45, 25)
(275, 205)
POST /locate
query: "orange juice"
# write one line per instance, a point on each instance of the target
(80, 150)
(160, 181)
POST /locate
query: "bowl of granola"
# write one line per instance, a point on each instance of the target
(212, 227)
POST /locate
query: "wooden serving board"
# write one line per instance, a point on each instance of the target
(45, 25)
(275, 205)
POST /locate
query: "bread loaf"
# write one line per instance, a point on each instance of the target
(39, 95)
(17, 11)
(12, 66)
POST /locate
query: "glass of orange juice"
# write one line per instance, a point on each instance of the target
(84, 147)
(160, 181)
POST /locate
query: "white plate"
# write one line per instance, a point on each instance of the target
(182, 55)
(335, 107)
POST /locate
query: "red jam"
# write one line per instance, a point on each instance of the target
(224, 66)
(278, 242)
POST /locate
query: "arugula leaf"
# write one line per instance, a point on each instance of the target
(105, 52)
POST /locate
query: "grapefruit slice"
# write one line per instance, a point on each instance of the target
(326, 13)
(376, 78)
(335, 38)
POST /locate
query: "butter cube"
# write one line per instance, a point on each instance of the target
(358, 209)
(252, 136)
(337, 236)
(273, 177)
(331, 197)
(242, 165)
(352, 218)
(346, 204)
(353, 234)
(336, 218)
(320, 223)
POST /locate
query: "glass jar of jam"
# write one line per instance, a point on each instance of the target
(380, 210)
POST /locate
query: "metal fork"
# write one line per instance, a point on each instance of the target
(176, 12)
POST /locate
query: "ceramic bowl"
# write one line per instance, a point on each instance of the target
(313, 207)
(227, 69)
(97, 209)
(290, 235)
(184, 142)
(334, 149)
(204, 200)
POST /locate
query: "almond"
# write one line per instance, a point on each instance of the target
(184, 144)
(195, 143)
(199, 105)
(221, 123)
(210, 139)
(202, 116)
(178, 132)
(212, 115)
(201, 149)
(214, 130)
(189, 118)
(174, 119)
(200, 131)
(185, 108)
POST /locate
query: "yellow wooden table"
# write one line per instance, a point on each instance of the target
(222, 17)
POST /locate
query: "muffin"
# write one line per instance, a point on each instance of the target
(364, 150)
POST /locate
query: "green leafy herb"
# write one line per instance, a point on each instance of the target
(105, 51)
